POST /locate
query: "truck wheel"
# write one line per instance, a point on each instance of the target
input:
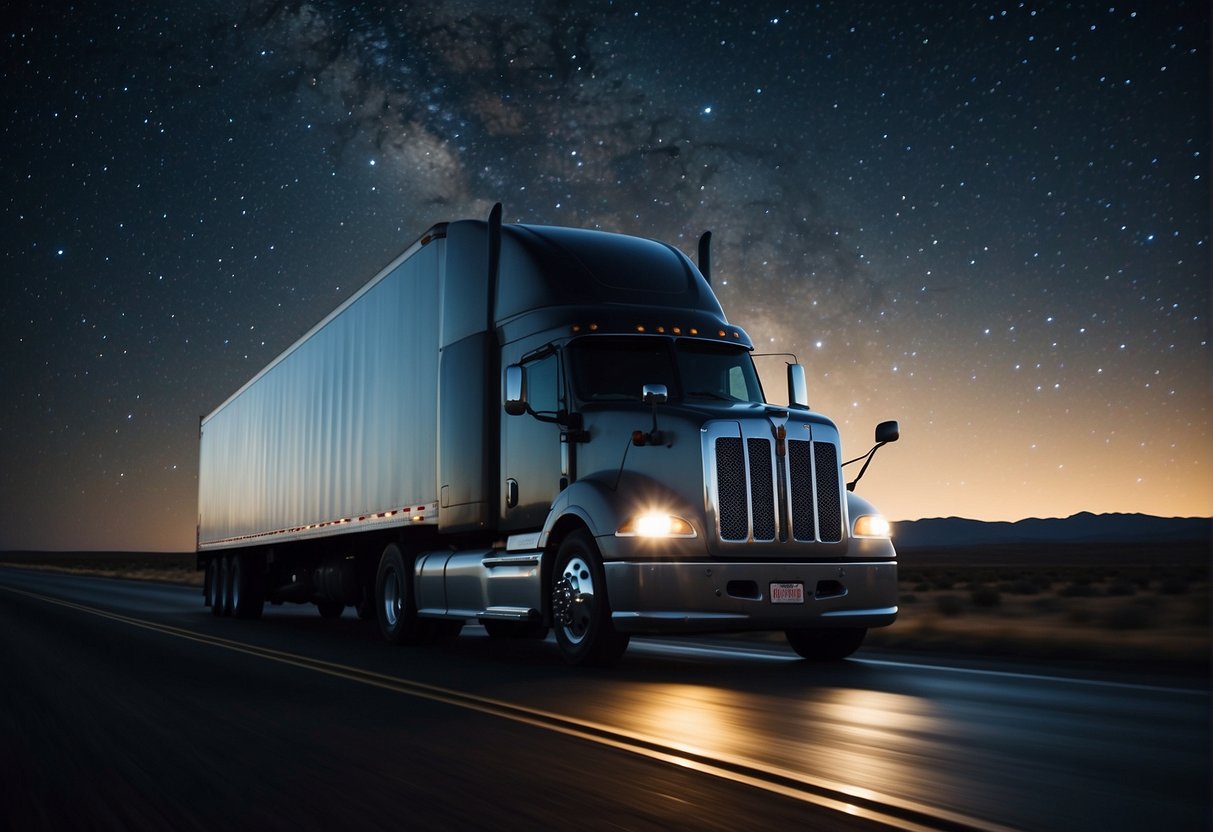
(208, 584)
(394, 604)
(248, 595)
(826, 645)
(581, 613)
(218, 585)
(229, 588)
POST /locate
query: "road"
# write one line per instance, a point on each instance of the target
(126, 705)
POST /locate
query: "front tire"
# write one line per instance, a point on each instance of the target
(826, 645)
(581, 612)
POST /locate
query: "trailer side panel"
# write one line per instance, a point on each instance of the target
(341, 429)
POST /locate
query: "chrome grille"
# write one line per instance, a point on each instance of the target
(829, 499)
(731, 491)
(758, 498)
(762, 489)
(800, 470)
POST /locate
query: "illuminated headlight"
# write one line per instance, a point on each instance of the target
(656, 524)
(872, 525)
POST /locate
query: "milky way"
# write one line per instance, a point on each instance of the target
(989, 221)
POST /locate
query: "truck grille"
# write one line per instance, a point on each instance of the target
(761, 499)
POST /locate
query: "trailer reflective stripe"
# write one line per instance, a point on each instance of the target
(420, 515)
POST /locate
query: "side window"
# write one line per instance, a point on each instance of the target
(543, 385)
(738, 388)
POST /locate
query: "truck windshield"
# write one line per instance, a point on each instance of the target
(609, 369)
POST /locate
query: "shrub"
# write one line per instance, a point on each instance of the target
(986, 597)
(1121, 587)
(1078, 589)
(1080, 616)
(908, 598)
(1020, 586)
(1197, 613)
(1046, 604)
(1174, 586)
(1129, 617)
(949, 605)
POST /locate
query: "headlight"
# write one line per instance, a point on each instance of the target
(872, 525)
(656, 524)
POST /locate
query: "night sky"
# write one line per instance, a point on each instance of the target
(989, 221)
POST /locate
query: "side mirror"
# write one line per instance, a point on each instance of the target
(887, 432)
(515, 390)
(655, 394)
(798, 387)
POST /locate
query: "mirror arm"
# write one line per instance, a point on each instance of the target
(867, 460)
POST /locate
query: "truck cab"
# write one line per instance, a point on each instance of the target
(646, 485)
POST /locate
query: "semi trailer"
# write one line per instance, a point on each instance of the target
(539, 428)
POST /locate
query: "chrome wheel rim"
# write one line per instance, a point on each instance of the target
(391, 599)
(573, 600)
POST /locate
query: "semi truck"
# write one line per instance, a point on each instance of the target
(539, 429)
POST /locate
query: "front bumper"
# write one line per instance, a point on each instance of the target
(704, 596)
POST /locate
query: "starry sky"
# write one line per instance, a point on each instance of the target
(989, 221)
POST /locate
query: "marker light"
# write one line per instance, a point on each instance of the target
(872, 525)
(656, 524)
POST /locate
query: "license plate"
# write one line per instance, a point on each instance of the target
(787, 593)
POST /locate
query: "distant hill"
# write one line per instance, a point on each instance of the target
(1081, 528)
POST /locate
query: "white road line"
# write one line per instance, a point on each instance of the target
(675, 648)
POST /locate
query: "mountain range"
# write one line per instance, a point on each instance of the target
(1080, 528)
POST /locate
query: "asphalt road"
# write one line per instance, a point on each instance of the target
(126, 705)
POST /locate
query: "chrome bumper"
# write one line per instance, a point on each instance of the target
(698, 597)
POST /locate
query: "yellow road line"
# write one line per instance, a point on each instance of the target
(851, 800)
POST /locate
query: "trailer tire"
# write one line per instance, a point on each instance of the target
(247, 588)
(581, 611)
(395, 606)
(218, 586)
(826, 645)
(229, 587)
(208, 584)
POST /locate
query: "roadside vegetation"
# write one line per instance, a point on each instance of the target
(1113, 602)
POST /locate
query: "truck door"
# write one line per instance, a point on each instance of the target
(530, 449)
